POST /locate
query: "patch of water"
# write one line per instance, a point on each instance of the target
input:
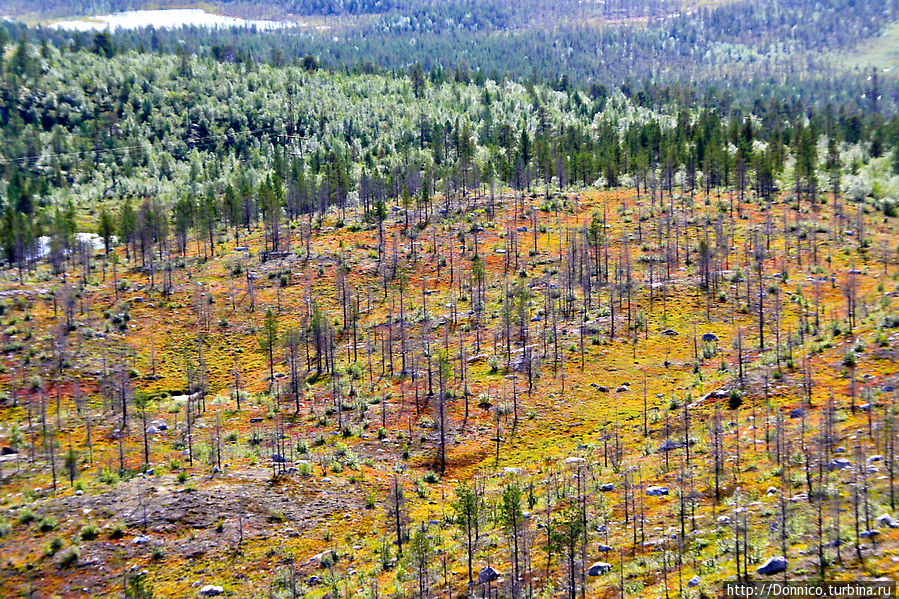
(166, 19)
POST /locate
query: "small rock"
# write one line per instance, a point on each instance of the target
(670, 332)
(603, 548)
(607, 487)
(669, 445)
(887, 520)
(599, 568)
(797, 413)
(140, 540)
(277, 457)
(773, 565)
(657, 491)
(723, 520)
(488, 574)
(255, 419)
(314, 580)
(709, 337)
(838, 464)
(211, 590)
(869, 534)
(512, 471)
(574, 460)
(694, 581)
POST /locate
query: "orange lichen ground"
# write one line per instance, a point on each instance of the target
(243, 528)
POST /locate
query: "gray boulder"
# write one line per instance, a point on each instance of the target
(838, 464)
(669, 445)
(887, 520)
(607, 487)
(211, 590)
(773, 565)
(599, 568)
(655, 491)
(694, 581)
(487, 574)
(869, 534)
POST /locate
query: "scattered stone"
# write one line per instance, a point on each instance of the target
(887, 520)
(669, 445)
(694, 581)
(488, 574)
(838, 464)
(79, 492)
(277, 457)
(314, 580)
(797, 413)
(670, 332)
(607, 487)
(8, 451)
(255, 419)
(709, 337)
(574, 460)
(773, 565)
(869, 534)
(623, 389)
(512, 471)
(140, 540)
(211, 590)
(657, 490)
(875, 458)
(599, 568)
(724, 520)
(603, 548)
